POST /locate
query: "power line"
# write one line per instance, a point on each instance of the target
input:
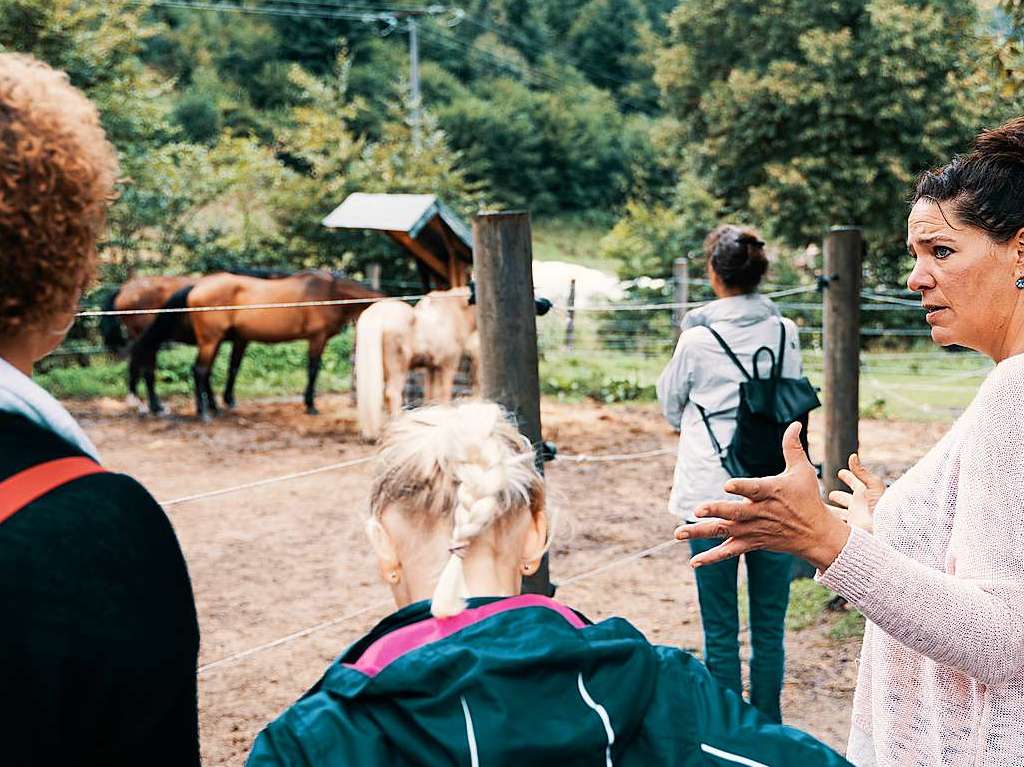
(268, 10)
(561, 57)
(496, 60)
(625, 101)
(538, 49)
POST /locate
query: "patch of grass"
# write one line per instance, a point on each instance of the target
(267, 370)
(849, 626)
(612, 378)
(808, 601)
(808, 606)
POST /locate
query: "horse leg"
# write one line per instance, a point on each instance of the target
(133, 381)
(210, 396)
(316, 351)
(444, 382)
(238, 348)
(201, 376)
(149, 373)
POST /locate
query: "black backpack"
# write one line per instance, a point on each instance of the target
(767, 407)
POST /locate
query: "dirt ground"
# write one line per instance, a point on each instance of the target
(270, 561)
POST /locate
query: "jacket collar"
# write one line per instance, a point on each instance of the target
(396, 640)
(19, 394)
(748, 309)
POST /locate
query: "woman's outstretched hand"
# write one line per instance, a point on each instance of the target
(781, 513)
(857, 507)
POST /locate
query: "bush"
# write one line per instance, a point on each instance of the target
(596, 387)
(198, 117)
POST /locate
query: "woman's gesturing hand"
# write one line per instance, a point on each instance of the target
(780, 513)
(857, 508)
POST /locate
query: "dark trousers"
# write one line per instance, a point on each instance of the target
(768, 575)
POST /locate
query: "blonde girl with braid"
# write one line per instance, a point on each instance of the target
(457, 493)
(471, 672)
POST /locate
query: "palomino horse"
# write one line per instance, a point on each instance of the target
(146, 292)
(316, 324)
(393, 337)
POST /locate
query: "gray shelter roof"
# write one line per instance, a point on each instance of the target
(420, 223)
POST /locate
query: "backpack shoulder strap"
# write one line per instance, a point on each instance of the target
(706, 417)
(729, 352)
(26, 486)
(782, 349)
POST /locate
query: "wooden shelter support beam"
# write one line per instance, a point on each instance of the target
(422, 253)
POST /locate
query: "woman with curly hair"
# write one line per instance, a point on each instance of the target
(99, 641)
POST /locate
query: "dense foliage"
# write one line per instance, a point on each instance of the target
(794, 115)
(239, 131)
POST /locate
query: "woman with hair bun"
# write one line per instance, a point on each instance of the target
(468, 671)
(699, 394)
(941, 577)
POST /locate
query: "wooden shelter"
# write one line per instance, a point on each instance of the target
(437, 238)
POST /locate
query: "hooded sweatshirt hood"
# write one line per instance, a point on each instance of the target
(522, 681)
(747, 309)
(569, 675)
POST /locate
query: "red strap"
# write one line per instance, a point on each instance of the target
(19, 491)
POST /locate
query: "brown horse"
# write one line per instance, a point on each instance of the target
(145, 292)
(316, 324)
(393, 337)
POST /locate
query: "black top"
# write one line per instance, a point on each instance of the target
(99, 639)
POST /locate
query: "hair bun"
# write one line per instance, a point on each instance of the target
(1004, 143)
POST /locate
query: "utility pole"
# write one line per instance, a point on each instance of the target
(412, 16)
(414, 78)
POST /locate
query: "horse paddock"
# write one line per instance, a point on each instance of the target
(270, 561)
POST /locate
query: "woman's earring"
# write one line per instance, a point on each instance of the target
(1020, 283)
(527, 568)
(394, 577)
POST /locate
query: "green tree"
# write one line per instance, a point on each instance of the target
(650, 237)
(802, 114)
(554, 151)
(338, 163)
(609, 40)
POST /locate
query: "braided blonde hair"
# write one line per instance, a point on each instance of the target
(464, 463)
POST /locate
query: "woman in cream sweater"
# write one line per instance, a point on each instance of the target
(941, 578)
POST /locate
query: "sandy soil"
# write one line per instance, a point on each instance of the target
(274, 560)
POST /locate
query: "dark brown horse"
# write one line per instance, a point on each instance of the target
(316, 324)
(145, 292)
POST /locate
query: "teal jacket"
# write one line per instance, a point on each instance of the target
(523, 681)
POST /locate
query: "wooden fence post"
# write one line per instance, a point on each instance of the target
(570, 327)
(844, 252)
(681, 292)
(507, 322)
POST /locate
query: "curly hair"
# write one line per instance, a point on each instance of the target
(57, 174)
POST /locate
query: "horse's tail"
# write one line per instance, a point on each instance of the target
(110, 327)
(165, 326)
(370, 373)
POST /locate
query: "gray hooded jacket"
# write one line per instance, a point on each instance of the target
(701, 372)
